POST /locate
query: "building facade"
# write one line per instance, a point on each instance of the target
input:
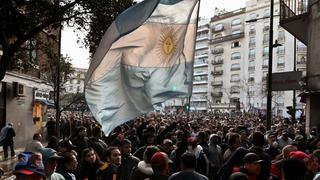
(231, 61)
(76, 82)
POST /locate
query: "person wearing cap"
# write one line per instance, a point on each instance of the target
(128, 161)
(251, 166)
(29, 167)
(50, 158)
(110, 169)
(166, 146)
(188, 165)
(35, 145)
(160, 166)
(202, 166)
(144, 169)
(310, 161)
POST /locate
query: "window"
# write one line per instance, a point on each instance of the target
(280, 101)
(235, 78)
(235, 44)
(281, 35)
(235, 89)
(235, 67)
(252, 53)
(281, 50)
(281, 61)
(235, 22)
(265, 62)
(218, 58)
(265, 51)
(265, 38)
(252, 16)
(218, 27)
(237, 31)
(235, 56)
(251, 64)
(266, 13)
(252, 41)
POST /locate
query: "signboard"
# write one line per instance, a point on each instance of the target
(286, 81)
(41, 95)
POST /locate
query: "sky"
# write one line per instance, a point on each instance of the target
(80, 55)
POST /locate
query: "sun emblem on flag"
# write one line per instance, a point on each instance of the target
(167, 44)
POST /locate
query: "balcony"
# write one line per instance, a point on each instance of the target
(252, 32)
(301, 62)
(266, 29)
(302, 49)
(216, 94)
(280, 65)
(202, 38)
(264, 79)
(235, 68)
(216, 30)
(252, 44)
(200, 73)
(202, 55)
(198, 99)
(217, 72)
(201, 47)
(203, 28)
(200, 82)
(227, 38)
(264, 66)
(200, 91)
(217, 62)
(216, 83)
(235, 80)
(293, 16)
(235, 91)
(217, 51)
(251, 68)
(251, 79)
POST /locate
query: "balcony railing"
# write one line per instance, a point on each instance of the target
(216, 62)
(216, 83)
(217, 72)
(291, 8)
(252, 44)
(264, 66)
(251, 68)
(216, 94)
(301, 62)
(235, 68)
(251, 79)
(227, 38)
(217, 51)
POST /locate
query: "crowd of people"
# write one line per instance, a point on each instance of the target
(188, 146)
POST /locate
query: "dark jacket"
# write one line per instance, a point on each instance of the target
(128, 163)
(108, 171)
(99, 146)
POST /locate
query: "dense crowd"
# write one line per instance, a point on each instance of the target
(188, 146)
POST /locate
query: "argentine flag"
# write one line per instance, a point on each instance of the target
(144, 58)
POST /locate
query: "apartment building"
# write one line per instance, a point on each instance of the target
(76, 82)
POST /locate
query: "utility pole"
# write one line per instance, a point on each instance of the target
(58, 86)
(294, 69)
(269, 95)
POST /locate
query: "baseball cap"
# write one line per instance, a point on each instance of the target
(251, 158)
(298, 155)
(27, 166)
(167, 141)
(160, 160)
(49, 153)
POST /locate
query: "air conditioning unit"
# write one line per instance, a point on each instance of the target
(18, 89)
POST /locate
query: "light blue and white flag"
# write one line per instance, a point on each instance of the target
(144, 58)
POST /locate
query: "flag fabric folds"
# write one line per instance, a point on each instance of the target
(144, 58)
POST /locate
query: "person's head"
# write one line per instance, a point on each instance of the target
(234, 140)
(113, 155)
(214, 139)
(159, 163)
(167, 145)
(89, 156)
(37, 136)
(252, 164)
(192, 143)
(97, 132)
(287, 150)
(69, 161)
(285, 135)
(293, 169)
(312, 164)
(65, 146)
(238, 176)
(125, 147)
(149, 134)
(50, 158)
(188, 161)
(82, 131)
(258, 139)
(149, 152)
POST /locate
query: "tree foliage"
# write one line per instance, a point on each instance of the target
(22, 20)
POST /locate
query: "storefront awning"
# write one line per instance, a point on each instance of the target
(45, 102)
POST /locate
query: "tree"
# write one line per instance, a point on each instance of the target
(21, 20)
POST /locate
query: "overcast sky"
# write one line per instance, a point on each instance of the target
(80, 55)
